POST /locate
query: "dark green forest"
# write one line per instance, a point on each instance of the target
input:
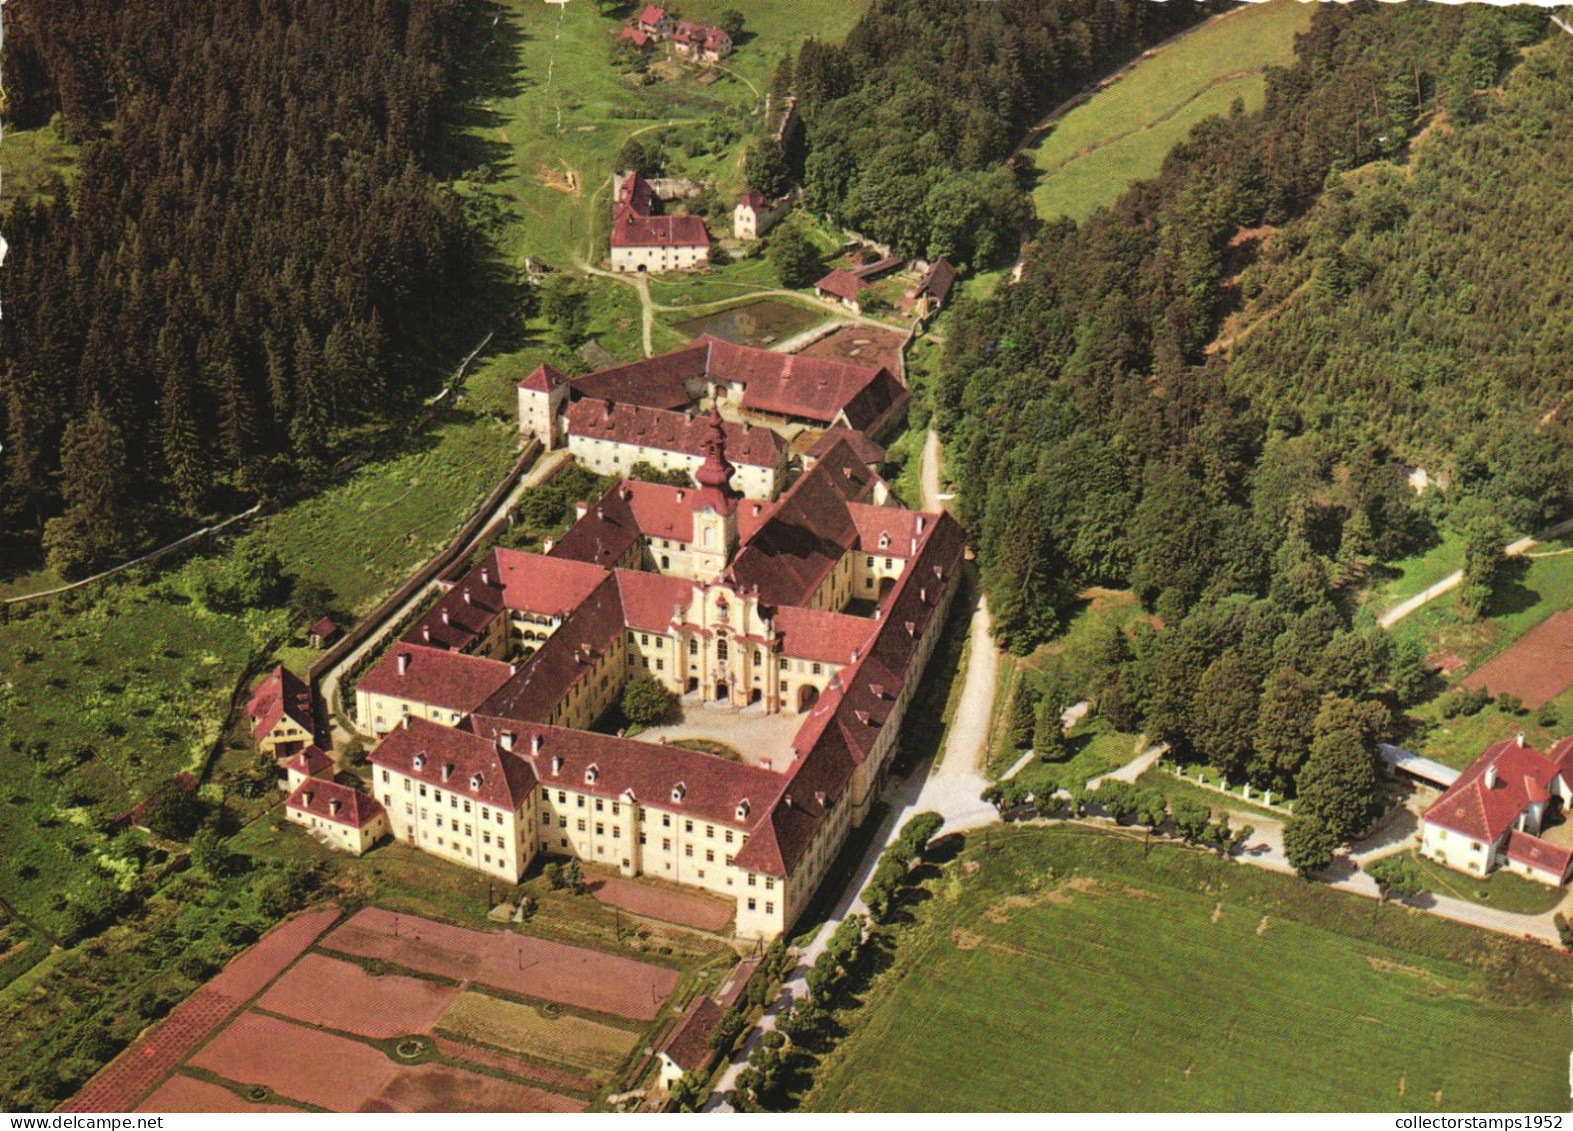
(1397, 300)
(911, 120)
(258, 256)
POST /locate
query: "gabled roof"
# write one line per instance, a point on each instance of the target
(688, 1045)
(632, 228)
(652, 14)
(312, 762)
(871, 271)
(544, 679)
(1538, 854)
(456, 760)
(650, 600)
(754, 199)
(280, 695)
(814, 634)
(324, 628)
(938, 280)
(893, 532)
(601, 539)
(866, 449)
(633, 35)
(453, 681)
(665, 430)
(661, 511)
(1483, 812)
(333, 802)
(810, 388)
(842, 284)
(659, 382)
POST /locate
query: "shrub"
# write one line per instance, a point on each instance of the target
(646, 700)
(1510, 704)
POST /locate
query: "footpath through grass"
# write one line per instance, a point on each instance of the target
(1122, 134)
(1061, 970)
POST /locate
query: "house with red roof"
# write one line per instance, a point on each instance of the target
(655, 21)
(1494, 815)
(755, 214)
(609, 438)
(280, 710)
(645, 241)
(842, 286)
(342, 818)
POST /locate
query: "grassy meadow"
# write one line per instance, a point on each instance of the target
(1061, 970)
(1122, 134)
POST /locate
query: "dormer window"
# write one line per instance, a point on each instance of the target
(420, 761)
(884, 540)
(678, 790)
(475, 781)
(742, 810)
(590, 774)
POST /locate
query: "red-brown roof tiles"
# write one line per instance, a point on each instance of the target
(688, 1045)
(311, 761)
(841, 284)
(864, 448)
(1538, 854)
(661, 511)
(813, 634)
(543, 379)
(1485, 813)
(280, 694)
(453, 681)
(605, 536)
(650, 601)
(334, 802)
(671, 431)
(659, 382)
(456, 760)
(631, 228)
(545, 679)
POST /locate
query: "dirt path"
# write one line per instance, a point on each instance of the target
(930, 471)
(1452, 581)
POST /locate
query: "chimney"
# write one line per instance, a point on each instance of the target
(757, 509)
(912, 629)
(1520, 739)
(405, 722)
(506, 739)
(557, 764)
(627, 495)
(446, 618)
(306, 797)
(600, 514)
(1491, 776)
(404, 663)
(923, 594)
(580, 510)
(914, 547)
(546, 547)
(854, 655)
(466, 596)
(513, 669)
(919, 525)
(786, 800)
(535, 744)
(486, 576)
(426, 633)
(447, 770)
(681, 494)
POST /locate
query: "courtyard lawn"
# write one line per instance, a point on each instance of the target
(1061, 970)
(1502, 890)
(1122, 134)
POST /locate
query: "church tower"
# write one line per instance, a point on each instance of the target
(715, 507)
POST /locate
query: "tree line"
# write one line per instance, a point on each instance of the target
(910, 121)
(1106, 429)
(246, 268)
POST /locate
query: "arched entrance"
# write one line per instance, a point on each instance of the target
(755, 696)
(807, 696)
(721, 693)
(693, 684)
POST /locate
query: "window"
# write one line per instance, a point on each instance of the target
(770, 908)
(666, 844)
(579, 797)
(617, 832)
(710, 831)
(546, 818)
(600, 805)
(785, 664)
(693, 646)
(644, 638)
(501, 843)
(409, 810)
(729, 862)
(436, 795)
(688, 826)
(688, 850)
(770, 883)
(632, 659)
(581, 824)
(630, 638)
(720, 649)
(666, 820)
(752, 880)
(660, 642)
(600, 829)
(562, 822)
(870, 563)
(729, 836)
(751, 903)
(468, 831)
(406, 785)
(486, 814)
(709, 856)
(660, 665)
(759, 658)
(561, 797)
(641, 838)
(384, 775)
(423, 789)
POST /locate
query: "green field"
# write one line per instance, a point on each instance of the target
(1408, 576)
(1067, 972)
(30, 160)
(1122, 134)
(1502, 890)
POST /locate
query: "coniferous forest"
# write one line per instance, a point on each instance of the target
(1212, 392)
(256, 256)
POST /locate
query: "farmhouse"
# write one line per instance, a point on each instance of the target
(644, 241)
(1494, 814)
(841, 286)
(641, 410)
(933, 289)
(481, 710)
(690, 40)
(282, 721)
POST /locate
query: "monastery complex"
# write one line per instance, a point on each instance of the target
(750, 592)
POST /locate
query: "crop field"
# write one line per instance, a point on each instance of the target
(292, 1024)
(1122, 134)
(577, 1042)
(1181, 982)
(1536, 668)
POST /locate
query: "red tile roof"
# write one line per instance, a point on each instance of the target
(543, 379)
(813, 634)
(536, 583)
(634, 191)
(866, 450)
(938, 280)
(324, 629)
(453, 681)
(631, 228)
(650, 601)
(669, 431)
(841, 284)
(652, 15)
(661, 511)
(871, 271)
(892, 532)
(1486, 813)
(317, 797)
(605, 535)
(280, 695)
(708, 788)
(635, 36)
(754, 199)
(688, 1044)
(456, 760)
(1539, 854)
(311, 761)
(809, 388)
(545, 679)
(659, 382)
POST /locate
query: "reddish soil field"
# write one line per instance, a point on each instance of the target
(186, 1093)
(344, 1075)
(658, 903)
(586, 979)
(861, 345)
(440, 1087)
(127, 1078)
(340, 995)
(1536, 668)
(503, 1062)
